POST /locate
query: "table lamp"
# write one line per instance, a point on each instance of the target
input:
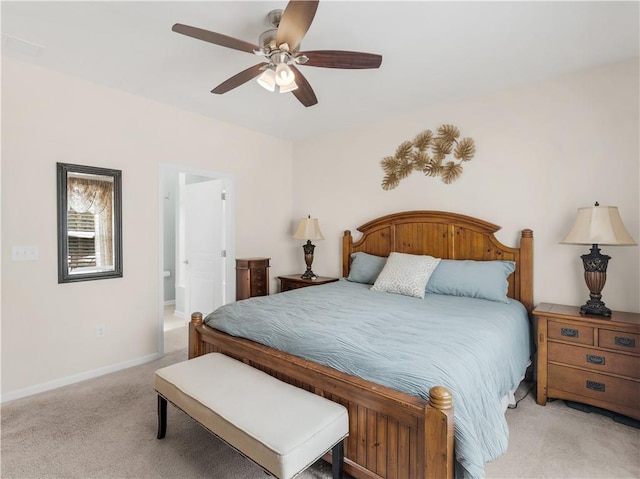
(308, 229)
(597, 225)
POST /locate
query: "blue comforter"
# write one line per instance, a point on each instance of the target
(476, 348)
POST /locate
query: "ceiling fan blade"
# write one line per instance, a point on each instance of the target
(239, 79)
(215, 38)
(342, 59)
(304, 93)
(296, 20)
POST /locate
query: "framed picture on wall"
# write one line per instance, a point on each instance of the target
(89, 223)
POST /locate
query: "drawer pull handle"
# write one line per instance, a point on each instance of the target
(572, 333)
(593, 359)
(626, 342)
(595, 386)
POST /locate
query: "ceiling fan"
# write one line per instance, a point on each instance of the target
(280, 48)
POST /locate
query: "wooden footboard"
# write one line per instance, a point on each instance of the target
(392, 435)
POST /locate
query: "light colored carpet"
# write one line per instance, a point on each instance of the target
(556, 441)
(106, 428)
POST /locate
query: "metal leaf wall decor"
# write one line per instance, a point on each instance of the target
(426, 153)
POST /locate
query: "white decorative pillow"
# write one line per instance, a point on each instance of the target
(406, 274)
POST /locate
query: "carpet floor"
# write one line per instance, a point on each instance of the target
(106, 428)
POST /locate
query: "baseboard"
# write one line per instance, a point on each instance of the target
(76, 378)
(180, 314)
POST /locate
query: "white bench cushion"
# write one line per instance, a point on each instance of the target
(281, 427)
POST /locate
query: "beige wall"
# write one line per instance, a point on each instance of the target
(48, 329)
(543, 150)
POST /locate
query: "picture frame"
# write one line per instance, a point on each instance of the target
(89, 207)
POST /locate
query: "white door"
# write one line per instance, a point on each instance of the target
(202, 233)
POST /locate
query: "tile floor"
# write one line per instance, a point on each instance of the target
(176, 331)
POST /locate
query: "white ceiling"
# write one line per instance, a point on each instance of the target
(432, 52)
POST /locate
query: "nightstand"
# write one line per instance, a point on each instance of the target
(294, 281)
(252, 277)
(589, 359)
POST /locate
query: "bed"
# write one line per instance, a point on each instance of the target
(393, 434)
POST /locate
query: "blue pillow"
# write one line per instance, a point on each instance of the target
(475, 279)
(365, 267)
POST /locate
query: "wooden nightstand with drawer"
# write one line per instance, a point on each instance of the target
(294, 281)
(589, 359)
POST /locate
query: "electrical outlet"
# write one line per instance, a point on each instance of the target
(101, 330)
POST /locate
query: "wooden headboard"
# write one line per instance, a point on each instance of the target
(445, 235)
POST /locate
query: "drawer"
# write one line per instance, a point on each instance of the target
(594, 385)
(619, 340)
(289, 285)
(576, 333)
(594, 359)
(259, 288)
(258, 264)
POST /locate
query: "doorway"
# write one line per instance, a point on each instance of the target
(196, 248)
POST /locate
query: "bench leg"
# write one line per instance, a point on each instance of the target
(162, 417)
(337, 460)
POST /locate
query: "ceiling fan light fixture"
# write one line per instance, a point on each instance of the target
(279, 47)
(284, 75)
(290, 87)
(267, 80)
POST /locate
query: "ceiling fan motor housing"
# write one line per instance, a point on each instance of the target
(274, 17)
(267, 40)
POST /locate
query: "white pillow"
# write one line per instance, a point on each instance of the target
(406, 274)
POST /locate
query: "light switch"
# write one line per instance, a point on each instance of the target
(24, 253)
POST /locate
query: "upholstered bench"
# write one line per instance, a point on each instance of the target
(281, 428)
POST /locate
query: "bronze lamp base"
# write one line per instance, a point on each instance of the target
(308, 259)
(595, 275)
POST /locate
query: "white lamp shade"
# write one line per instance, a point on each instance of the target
(308, 229)
(599, 225)
(287, 88)
(267, 80)
(284, 74)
